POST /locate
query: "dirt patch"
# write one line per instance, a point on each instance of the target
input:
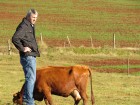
(118, 70)
(74, 42)
(87, 43)
(110, 7)
(10, 16)
(14, 15)
(68, 20)
(112, 10)
(112, 62)
(7, 5)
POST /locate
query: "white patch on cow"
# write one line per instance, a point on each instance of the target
(76, 95)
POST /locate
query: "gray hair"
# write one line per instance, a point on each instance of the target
(31, 11)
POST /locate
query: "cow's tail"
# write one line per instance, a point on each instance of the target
(92, 95)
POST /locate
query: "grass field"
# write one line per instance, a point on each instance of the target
(79, 20)
(109, 88)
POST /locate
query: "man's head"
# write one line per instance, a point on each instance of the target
(32, 16)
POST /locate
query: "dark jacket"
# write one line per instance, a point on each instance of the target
(25, 37)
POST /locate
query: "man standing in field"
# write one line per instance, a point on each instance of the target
(25, 41)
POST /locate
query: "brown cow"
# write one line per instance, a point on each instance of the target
(61, 81)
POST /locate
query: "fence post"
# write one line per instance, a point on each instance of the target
(9, 47)
(69, 41)
(91, 41)
(41, 39)
(128, 71)
(114, 41)
(64, 44)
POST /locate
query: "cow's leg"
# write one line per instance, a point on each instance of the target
(48, 98)
(84, 97)
(75, 94)
(82, 88)
(46, 101)
(84, 94)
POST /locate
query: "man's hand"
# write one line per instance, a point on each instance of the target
(27, 49)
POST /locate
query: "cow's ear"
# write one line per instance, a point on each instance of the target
(70, 71)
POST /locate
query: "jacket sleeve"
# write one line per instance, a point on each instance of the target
(17, 38)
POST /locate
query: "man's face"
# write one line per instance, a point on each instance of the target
(33, 18)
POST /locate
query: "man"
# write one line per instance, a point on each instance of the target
(25, 41)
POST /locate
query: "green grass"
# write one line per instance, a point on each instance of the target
(76, 19)
(109, 88)
(93, 51)
(120, 66)
(137, 73)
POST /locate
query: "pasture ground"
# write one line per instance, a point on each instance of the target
(109, 88)
(80, 20)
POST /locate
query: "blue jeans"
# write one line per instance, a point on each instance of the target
(29, 67)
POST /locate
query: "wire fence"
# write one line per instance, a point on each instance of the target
(67, 42)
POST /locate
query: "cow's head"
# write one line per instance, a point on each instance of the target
(17, 98)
